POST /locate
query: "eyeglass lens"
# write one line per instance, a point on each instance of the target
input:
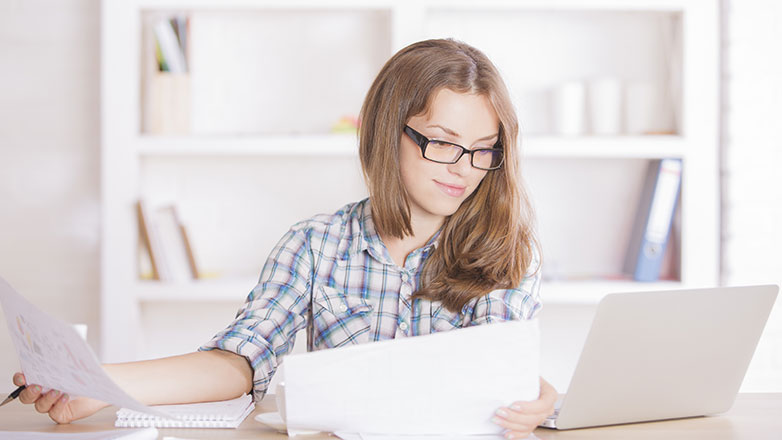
(447, 153)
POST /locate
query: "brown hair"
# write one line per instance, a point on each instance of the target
(489, 242)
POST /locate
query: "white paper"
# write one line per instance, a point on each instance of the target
(445, 383)
(351, 436)
(54, 356)
(124, 434)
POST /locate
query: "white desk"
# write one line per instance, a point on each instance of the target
(754, 416)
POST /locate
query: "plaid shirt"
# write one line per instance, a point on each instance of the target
(333, 275)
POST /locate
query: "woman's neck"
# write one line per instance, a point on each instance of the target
(424, 227)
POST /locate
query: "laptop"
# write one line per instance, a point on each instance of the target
(664, 355)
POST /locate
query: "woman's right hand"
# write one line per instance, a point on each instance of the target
(59, 406)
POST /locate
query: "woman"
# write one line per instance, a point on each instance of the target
(444, 241)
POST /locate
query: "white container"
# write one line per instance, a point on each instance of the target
(604, 103)
(643, 104)
(568, 108)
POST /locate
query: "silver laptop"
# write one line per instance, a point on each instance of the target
(664, 355)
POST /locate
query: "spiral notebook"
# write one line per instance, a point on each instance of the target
(225, 414)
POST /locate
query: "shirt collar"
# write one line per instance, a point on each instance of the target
(365, 237)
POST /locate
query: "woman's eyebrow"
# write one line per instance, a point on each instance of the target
(453, 133)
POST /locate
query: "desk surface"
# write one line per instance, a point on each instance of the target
(755, 416)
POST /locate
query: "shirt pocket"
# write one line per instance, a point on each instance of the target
(443, 319)
(339, 319)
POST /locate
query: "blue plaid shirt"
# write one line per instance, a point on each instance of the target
(336, 270)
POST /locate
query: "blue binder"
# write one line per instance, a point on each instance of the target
(653, 222)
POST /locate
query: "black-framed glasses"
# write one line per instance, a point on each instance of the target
(448, 152)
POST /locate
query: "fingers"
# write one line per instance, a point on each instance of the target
(53, 402)
(522, 417)
(544, 404)
(539, 406)
(517, 422)
(30, 394)
(61, 412)
(19, 379)
(45, 401)
(547, 391)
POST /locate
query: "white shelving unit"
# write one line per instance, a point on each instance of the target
(604, 169)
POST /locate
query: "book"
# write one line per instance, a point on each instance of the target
(653, 222)
(166, 241)
(172, 54)
(150, 241)
(224, 414)
(191, 261)
(177, 250)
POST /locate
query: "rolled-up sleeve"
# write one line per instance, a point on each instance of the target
(265, 327)
(519, 303)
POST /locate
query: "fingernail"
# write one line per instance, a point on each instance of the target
(516, 407)
(509, 435)
(496, 420)
(64, 399)
(36, 389)
(502, 412)
(54, 393)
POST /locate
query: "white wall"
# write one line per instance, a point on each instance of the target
(49, 184)
(752, 182)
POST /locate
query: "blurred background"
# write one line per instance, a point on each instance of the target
(151, 154)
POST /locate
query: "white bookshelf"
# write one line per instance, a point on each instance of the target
(220, 290)
(252, 145)
(237, 166)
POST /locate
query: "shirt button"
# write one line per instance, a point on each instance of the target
(403, 326)
(405, 276)
(343, 308)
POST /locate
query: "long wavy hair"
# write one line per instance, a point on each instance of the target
(489, 242)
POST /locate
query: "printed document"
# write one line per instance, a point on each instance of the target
(54, 356)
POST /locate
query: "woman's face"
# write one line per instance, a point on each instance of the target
(437, 190)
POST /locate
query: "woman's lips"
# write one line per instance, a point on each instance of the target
(451, 190)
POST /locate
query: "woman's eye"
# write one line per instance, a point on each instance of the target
(440, 144)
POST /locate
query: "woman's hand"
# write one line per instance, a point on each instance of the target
(59, 406)
(521, 418)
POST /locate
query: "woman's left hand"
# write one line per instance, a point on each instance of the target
(521, 418)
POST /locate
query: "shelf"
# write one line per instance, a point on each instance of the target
(262, 145)
(620, 147)
(499, 5)
(592, 291)
(216, 290)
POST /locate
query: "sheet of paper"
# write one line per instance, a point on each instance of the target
(124, 434)
(445, 383)
(54, 356)
(351, 436)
